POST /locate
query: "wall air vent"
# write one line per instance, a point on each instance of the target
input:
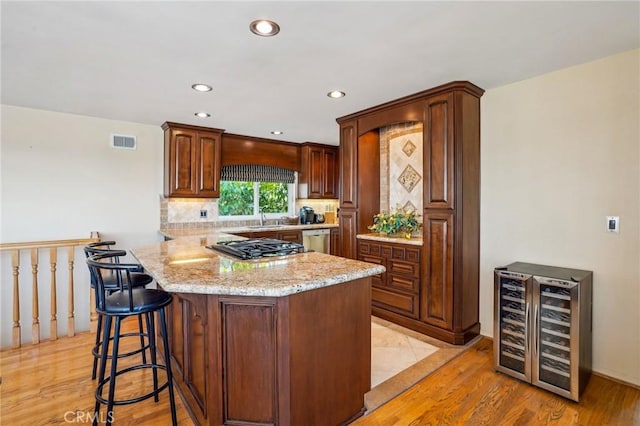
(123, 141)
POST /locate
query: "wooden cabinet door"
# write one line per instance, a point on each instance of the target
(316, 173)
(348, 166)
(436, 305)
(175, 325)
(249, 364)
(334, 248)
(197, 352)
(291, 236)
(330, 178)
(183, 163)
(348, 230)
(438, 153)
(208, 165)
(187, 324)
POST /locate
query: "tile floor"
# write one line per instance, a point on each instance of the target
(393, 352)
(400, 358)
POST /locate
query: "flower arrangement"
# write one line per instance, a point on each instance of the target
(401, 221)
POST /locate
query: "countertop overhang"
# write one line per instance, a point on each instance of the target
(185, 265)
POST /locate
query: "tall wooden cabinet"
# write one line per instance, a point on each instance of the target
(448, 293)
(192, 161)
(318, 176)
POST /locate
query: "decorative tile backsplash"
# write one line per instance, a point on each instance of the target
(184, 213)
(181, 213)
(401, 171)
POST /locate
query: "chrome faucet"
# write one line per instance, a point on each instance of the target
(262, 219)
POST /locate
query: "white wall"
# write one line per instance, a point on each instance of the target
(61, 179)
(560, 152)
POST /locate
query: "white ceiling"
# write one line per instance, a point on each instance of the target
(136, 61)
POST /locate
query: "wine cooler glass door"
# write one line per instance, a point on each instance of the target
(555, 346)
(512, 324)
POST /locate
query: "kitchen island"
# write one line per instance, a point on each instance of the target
(281, 341)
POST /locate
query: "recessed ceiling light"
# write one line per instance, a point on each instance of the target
(336, 94)
(264, 28)
(200, 87)
(277, 132)
(202, 114)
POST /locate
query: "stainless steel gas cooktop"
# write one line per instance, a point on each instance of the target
(256, 248)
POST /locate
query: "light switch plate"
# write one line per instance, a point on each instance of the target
(613, 224)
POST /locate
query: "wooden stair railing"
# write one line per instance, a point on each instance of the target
(34, 247)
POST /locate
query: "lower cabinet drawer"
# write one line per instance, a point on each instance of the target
(405, 304)
(403, 282)
(407, 268)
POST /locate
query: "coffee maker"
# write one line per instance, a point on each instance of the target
(307, 216)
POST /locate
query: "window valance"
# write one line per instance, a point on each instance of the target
(257, 173)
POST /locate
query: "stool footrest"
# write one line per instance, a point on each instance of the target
(103, 400)
(96, 348)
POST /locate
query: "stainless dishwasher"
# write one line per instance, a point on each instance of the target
(316, 240)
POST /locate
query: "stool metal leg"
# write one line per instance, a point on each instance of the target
(114, 370)
(95, 358)
(167, 357)
(104, 351)
(144, 356)
(152, 348)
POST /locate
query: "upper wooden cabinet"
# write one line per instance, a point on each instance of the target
(191, 161)
(318, 171)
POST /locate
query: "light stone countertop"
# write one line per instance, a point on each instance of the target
(415, 241)
(203, 232)
(185, 265)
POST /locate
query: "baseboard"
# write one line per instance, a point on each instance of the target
(613, 379)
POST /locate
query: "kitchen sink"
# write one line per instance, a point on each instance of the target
(264, 226)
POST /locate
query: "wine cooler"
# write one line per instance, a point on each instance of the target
(542, 326)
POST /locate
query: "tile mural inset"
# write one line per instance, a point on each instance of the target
(409, 178)
(401, 146)
(410, 207)
(409, 148)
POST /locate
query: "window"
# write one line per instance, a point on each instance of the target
(249, 199)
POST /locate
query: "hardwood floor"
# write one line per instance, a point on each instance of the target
(467, 391)
(50, 384)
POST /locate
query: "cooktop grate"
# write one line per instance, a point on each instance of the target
(256, 248)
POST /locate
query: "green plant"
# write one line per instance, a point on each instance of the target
(401, 221)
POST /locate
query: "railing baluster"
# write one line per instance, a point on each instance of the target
(15, 263)
(18, 249)
(53, 259)
(71, 327)
(35, 311)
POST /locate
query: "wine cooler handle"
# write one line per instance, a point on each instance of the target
(527, 328)
(535, 327)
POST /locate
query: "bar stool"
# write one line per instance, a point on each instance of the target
(138, 279)
(117, 306)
